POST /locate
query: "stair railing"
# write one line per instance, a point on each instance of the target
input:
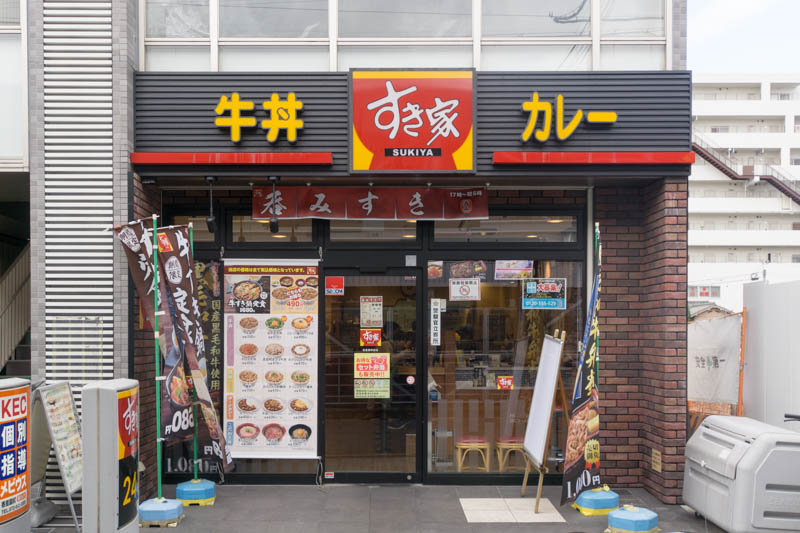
(15, 304)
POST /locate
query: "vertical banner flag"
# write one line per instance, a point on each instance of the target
(176, 404)
(582, 457)
(177, 264)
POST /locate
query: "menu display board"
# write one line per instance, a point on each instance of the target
(271, 347)
(65, 433)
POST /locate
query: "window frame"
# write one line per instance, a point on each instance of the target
(333, 41)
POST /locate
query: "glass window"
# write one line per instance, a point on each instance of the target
(177, 18)
(536, 57)
(404, 57)
(177, 58)
(632, 18)
(273, 58)
(632, 57)
(529, 229)
(12, 142)
(200, 231)
(488, 339)
(9, 12)
(373, 230)
(245, 229)
(268, 18)
(543, 18)
(410, 18)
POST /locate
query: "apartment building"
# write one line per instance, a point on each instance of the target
(741, 230)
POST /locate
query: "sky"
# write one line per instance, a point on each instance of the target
(743, 36)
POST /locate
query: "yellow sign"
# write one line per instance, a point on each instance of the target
(371, 365)
(282, 116)
(563, 132)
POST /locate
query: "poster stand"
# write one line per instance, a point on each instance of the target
(56, 441)
(530, 462)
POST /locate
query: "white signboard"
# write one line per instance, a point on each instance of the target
(65, 432)
(465, 289)
(713, 363)
(436, 322)
(372, 311)
(271, 344)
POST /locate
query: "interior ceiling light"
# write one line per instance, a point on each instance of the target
(408, 236)
(533, 236)
(278, 236)
(555, 220)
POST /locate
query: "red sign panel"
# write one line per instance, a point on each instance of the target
(393, 203)
(14, 473)
(370, 337)
(334, 285)
(420, 120)
(505, 382)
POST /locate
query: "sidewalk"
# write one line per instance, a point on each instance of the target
(405, 508)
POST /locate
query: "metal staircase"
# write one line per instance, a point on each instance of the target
(735, 170)
(15, 313)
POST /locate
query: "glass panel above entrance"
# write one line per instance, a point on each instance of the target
(487, 324)
(530, 229)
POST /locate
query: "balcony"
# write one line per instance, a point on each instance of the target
(734, 238)
(744, 205)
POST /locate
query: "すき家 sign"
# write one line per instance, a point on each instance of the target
(420, 120)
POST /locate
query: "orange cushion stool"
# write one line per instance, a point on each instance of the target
(468, 444)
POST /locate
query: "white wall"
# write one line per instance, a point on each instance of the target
(772, 352)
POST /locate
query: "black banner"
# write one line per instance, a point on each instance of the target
(175, 259)
(582, 456)
(176, 411)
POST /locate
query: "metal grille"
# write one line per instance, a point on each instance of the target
(79, 307)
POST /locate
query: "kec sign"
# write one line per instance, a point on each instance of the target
(282, 116)
(563, 132)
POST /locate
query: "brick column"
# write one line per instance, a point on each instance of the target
(663, 354)
(643, 334)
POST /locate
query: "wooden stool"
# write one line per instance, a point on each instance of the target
(505, 446)
(472, 444)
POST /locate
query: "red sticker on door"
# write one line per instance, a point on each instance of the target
(410, 380)
(334, 285)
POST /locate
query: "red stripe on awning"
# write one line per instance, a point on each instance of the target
(231, 158)
(593, 158)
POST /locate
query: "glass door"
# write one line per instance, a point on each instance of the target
(371, 376)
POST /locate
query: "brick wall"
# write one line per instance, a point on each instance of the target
(146, 201)
(643, 334)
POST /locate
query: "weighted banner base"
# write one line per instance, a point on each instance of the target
(160, 513)
(196, 492)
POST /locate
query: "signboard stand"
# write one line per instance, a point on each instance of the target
(66, 433)
(548, 378)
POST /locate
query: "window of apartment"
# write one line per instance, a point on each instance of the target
(407, 19)
(267, 18)
(13, 132)
(720, 129)
(795, 258)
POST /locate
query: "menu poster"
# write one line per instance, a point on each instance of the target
(271, 344)
(65, 433)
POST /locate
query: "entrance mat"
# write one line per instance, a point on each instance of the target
(509, 510)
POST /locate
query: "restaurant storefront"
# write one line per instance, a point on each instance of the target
(401, 217)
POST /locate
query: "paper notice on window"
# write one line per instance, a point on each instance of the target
(372, 311)
(436, 322)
